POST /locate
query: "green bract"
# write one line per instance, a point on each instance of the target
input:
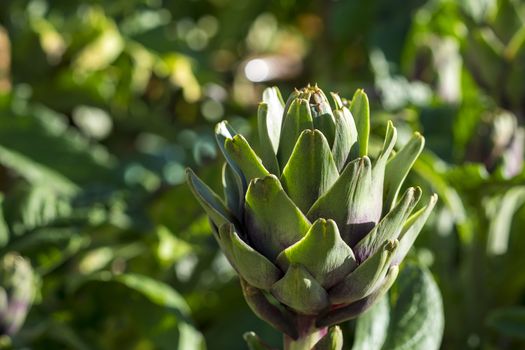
(16, 292)
(308, 219)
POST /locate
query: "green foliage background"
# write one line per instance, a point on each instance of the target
(104, 103)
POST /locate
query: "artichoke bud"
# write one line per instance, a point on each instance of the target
(314, 225)
(498, 143)
(16, 292)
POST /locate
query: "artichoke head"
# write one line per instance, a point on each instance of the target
(310, 223)
(16, 292)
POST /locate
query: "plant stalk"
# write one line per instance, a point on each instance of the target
(309, 335)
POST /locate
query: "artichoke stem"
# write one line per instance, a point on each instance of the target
(309, 335)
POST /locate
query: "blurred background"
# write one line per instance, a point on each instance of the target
(104, 103)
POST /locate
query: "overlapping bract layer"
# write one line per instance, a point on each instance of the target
(308, 219)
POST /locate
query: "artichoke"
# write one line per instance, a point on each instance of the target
(16, 292)
(313, 227)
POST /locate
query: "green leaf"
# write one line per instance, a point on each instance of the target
(30, 207)
(245, 157)
(500, 211)
(361, 111)
(57, 156)
(209, 200)
(398, 167)
(509, 321)
(165, 296)
(251, 265)
(297, 119)
(272, 219)
(299, 290)
(157, 292)
(366, 277)
(390, 227)
(371, 328)
(311, 170)
(322, 252)
(345, 136)
(4, 230)
(417, 320)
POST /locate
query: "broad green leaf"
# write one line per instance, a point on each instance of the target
(500, 211)
(251, 265)
(366, 277)
(371, 327)
(31, 207)
(416, 320)
(4, 230)
(322, 252)
(102, 51)
(297, 119)
(398, 167)
(311, 170)
(272, 219)
(299, 290)
(165, 296)
(361, 111)
(57, 156)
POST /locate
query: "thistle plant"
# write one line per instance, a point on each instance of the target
(314, 228)
(16, 292)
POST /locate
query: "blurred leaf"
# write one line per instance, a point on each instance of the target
(103, 50)
(417, 314)
(413, 320)
(372, 327)
(56, 156)
(500, 211)
(165, 296)
(509, 322)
